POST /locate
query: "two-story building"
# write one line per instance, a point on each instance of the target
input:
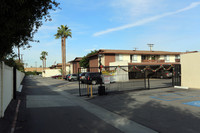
(133, 57)
(74, 65)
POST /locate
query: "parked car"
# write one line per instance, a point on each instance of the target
(67, 76)
(56, 76)
(82, 77)
(93, 78)
(161, 74)
(73, 77)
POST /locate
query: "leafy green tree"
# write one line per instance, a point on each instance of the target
(63, 32)
(20, 20)
(12, 62)
(84, 62)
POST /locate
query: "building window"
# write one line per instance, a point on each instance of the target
(177, 56)
(134, 57)
(166, 57)
(119, 57)
(144, 57)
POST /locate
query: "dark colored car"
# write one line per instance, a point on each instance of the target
(82, 77)
(93, 78)
(67, 76)
(73, 77)
(56, 76)
(161, 74)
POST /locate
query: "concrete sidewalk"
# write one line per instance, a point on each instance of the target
(49, 109)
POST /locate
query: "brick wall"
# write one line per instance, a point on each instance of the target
(76, 65)
(94, 61)
(109, 58)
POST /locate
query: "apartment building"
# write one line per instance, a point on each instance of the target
(133, 57)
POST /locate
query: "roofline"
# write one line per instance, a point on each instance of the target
(112, 51)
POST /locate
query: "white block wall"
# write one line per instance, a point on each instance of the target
(6, 86)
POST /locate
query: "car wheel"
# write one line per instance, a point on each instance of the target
(72, 79)
(94, 82)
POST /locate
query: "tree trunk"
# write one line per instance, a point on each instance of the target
(43, 65)
(62, 47)
(19, 54)
(44, 62)
(64, 53)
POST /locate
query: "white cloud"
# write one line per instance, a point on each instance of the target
(126, 9)
(147, 20)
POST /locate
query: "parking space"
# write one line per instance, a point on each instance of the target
(164, 110)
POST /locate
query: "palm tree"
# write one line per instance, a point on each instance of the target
(42, 58)
(44, 55)
(63, 32)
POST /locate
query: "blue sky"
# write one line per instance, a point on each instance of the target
(118, 24)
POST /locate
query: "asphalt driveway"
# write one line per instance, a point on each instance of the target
(166, 110)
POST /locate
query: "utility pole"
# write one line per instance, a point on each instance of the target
(19, 54)
(22, 58)
(150, 46)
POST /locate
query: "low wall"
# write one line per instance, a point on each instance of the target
(190, 73)
(51, 72)
(6, 86)
(121, 74)
(20, 77)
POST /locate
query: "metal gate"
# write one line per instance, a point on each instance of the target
(177, 75)
(126, 78)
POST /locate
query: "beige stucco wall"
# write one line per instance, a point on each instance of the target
(71, 68)
(102, 60)
(139, 59)
(162, 57)
(120, 74)
(119, 63)
(51, 72)
(190, 73)
(126, 57)
(172, 58)
(67, 69)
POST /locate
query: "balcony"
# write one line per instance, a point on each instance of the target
(153, 61)
(177, 60)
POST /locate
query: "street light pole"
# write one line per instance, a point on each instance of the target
(100, 65)
(101, 89)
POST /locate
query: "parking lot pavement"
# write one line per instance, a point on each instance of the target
(46, 107)
(163, 110)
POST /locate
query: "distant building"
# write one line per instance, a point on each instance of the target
(32, 69)
(74, 65)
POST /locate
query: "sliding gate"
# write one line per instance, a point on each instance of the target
(128, 78)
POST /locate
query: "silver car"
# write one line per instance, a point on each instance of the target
(73, 77)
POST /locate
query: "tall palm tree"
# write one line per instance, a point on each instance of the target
(63, 32)
(43, 57)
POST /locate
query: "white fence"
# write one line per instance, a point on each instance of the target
(6, 85)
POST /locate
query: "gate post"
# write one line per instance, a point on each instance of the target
(173, 76)
(14, 82)
(148, 83)
(145, 79)
(1, 88)
(79, 81)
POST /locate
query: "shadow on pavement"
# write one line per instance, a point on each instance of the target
(151, 113)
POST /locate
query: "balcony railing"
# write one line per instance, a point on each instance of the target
(154, 61)
(177, 60)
